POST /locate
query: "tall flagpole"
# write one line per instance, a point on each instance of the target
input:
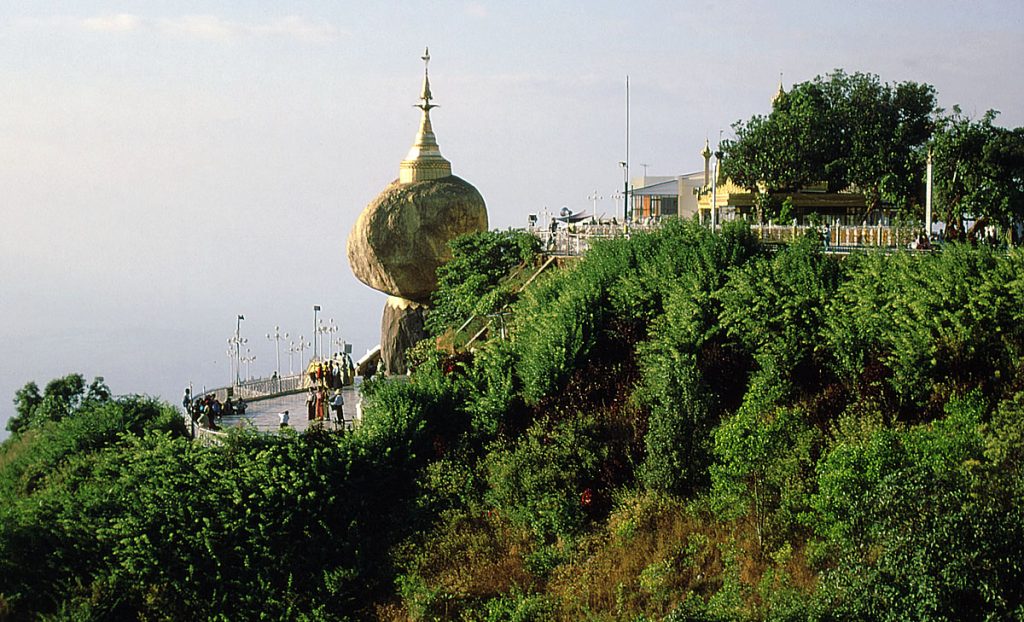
(928, 199)
(625, 193)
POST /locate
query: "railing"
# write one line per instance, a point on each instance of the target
(841, 235)
(259, 388)
(577, 239)
(206, 436)
(266, 387)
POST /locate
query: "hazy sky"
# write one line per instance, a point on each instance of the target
(166, 166)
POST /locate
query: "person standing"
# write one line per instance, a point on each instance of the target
(321, 398)
(283, 417)
(311, 404)
(337, 404)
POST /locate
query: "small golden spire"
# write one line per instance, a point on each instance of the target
(424, 160)
(426, 96)
(779, 93)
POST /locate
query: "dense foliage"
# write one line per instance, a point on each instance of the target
(471, 282)
(979, 170)
(848, 130)
(853, 132)
(683, 425)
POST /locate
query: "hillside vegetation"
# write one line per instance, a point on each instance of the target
(681, 426)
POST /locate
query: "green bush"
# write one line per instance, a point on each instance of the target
(764, 459)
(679, 425)
(537, 481)
(924, 524)
(466, 284)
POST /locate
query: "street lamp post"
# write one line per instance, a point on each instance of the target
(236, 341)
(316, 310)
(341, 343)
(330, 330)
(318, 337)
(276, 337)
(625, 191)
(301, 347)
(248, 358)
(231, 362)
(594, 198)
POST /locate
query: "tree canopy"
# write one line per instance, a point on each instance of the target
(850, 131)
(978, 169)
(853, 132)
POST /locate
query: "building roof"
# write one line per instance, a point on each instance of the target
(668, 186)
(664, 188)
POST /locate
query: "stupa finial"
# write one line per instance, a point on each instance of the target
(424, 160)
(779, 93)
(426, 96)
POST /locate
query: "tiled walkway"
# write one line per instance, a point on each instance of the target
(264, 413)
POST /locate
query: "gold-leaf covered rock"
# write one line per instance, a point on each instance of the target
(402, 236)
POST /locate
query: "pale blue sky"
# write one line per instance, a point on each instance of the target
(167, 165)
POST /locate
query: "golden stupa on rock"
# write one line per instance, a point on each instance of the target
(402, 236)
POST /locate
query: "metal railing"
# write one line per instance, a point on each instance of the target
(884, 236)
(577, 239)
(260, 388)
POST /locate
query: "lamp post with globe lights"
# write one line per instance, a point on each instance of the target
(247, 359)
(301, 347)
(330, 330)
(316, 311)
(236, 342)
(276, 337)
(318, 338)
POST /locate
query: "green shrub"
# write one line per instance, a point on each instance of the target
(682, 416)
(466, 285)
(537, 481)
(922, 523)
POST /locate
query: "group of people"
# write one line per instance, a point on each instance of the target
(207, 410)
(332, 374)
(319, 405)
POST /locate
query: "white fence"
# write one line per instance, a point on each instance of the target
(266, 387)
(578, 238)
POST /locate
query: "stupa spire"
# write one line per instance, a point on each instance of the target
(424, 160)
(426, 95)
(779, 93)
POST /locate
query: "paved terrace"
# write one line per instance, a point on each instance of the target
(262, 414)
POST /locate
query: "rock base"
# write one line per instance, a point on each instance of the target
(401, 328)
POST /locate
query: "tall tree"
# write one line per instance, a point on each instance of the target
(979, 170)
(850, 131)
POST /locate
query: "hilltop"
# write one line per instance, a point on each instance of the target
(683, 425)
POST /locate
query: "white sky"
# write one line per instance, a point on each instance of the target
(165, 166)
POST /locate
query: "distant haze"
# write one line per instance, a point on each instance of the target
(168, 166)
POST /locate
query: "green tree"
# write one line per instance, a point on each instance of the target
(848, 130)
(923, 523)
(763, 462)
(775, 307)
(61, 397)
(978, 170)
(466, 285)
(537, 481)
